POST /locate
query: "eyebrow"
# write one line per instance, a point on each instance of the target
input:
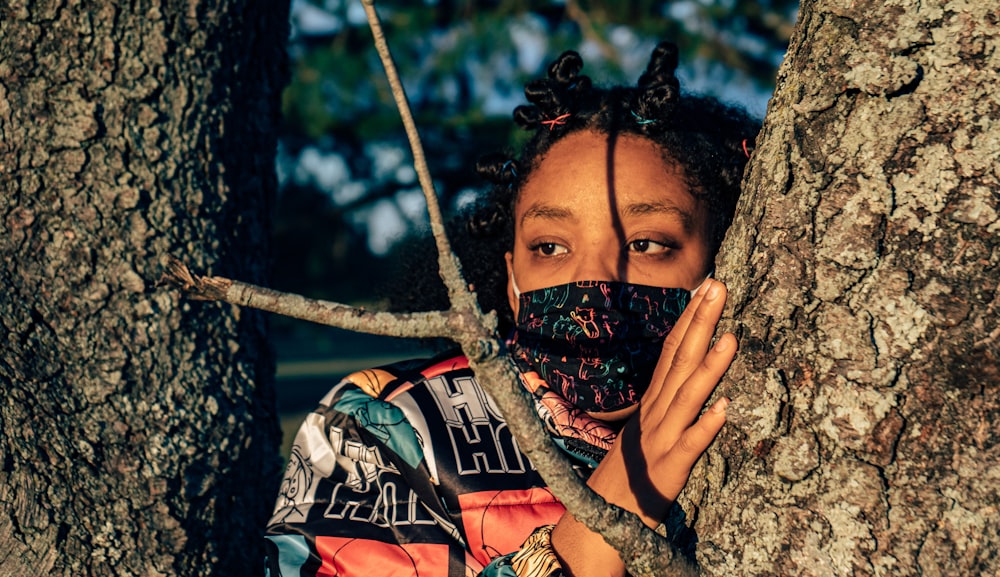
(660, 208)
(547, 212)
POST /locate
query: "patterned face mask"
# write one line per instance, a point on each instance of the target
(595, 343)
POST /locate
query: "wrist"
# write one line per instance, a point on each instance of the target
(630, 489)
(583, 553)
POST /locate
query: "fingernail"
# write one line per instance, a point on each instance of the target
(722, 345)
(720, 406)
(713, 292)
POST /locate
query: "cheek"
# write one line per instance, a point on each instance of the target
(511, 283)
(703, 264)
(694, 274)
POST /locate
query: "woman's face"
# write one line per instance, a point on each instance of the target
(624, 214)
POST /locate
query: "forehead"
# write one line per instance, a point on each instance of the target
(590, 169)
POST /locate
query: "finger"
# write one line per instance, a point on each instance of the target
(689, 400)
(676, 335)
(673, 340)
(672, 472)
(694, 343)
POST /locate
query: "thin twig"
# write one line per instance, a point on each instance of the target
(449, 268)
(412, 325)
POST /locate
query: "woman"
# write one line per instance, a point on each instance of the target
(608, 223)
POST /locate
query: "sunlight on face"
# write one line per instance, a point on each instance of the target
(581, 216)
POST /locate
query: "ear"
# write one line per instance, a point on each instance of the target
(511, 297)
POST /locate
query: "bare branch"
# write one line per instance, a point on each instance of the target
(413, 325)
(449, 268)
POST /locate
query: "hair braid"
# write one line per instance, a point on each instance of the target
(556, 96)
(659, 90)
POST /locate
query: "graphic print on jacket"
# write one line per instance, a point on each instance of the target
(423, 478)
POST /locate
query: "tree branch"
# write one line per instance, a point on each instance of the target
(412, 325)
(448, 266)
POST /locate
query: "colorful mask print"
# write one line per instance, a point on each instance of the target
(595, 343)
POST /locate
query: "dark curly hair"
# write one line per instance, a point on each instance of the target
(709, 140)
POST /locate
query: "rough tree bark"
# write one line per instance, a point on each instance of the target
(137, 430)
(864, 269)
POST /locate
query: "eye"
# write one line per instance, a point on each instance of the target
(647, 246)
(548, 249)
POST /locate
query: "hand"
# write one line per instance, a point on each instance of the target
(653, 456)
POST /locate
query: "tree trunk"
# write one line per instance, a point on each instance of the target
(863, 266)
(138, 433)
